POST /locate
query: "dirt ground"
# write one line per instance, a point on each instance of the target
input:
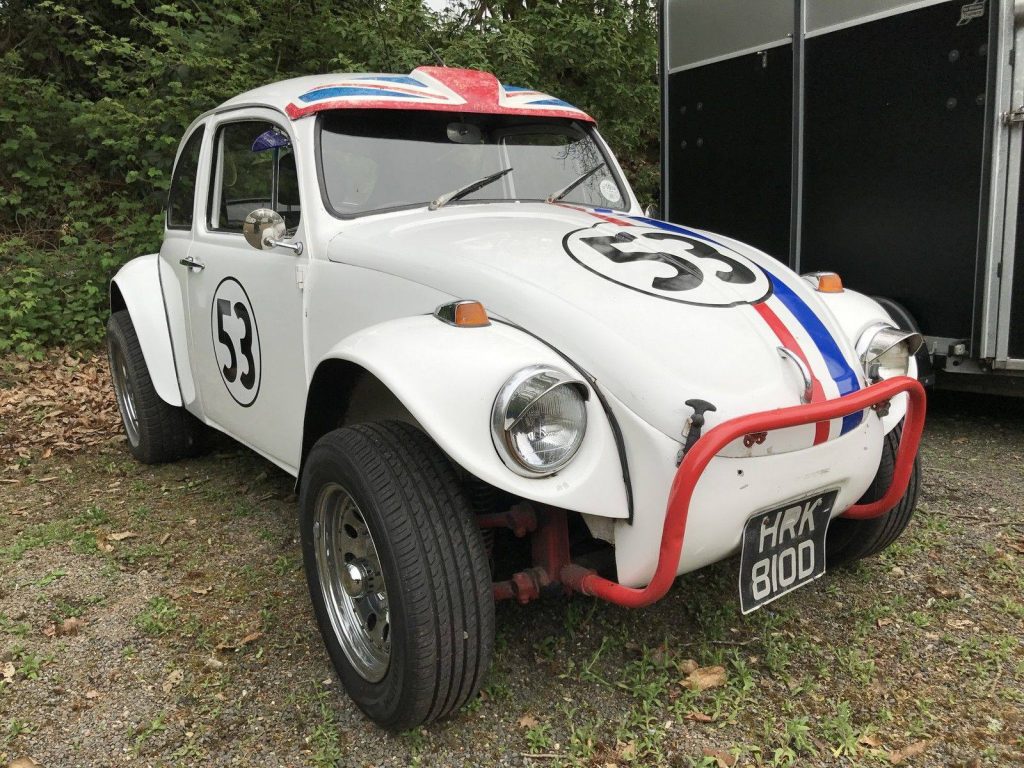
(158, 616)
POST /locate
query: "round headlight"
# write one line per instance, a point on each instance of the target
(885, 351)
(539, 419)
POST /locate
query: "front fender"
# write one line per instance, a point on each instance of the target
(448, 377)
(137, 286)
(855, 313)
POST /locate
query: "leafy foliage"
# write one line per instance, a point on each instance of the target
(98, 93)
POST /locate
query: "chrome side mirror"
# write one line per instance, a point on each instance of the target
(652, 212)
(265, 228)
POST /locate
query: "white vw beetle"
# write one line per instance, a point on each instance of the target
(434, 300)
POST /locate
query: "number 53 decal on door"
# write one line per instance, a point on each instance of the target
(236, 341)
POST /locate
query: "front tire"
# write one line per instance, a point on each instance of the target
(157, 432)
(852, 540)
(397, 573)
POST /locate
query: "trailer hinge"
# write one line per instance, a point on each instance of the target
(1014, 116)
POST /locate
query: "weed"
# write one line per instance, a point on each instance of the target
(538, 738)
(10, 627)
(154, 727)
(158, 617)
(51, 577)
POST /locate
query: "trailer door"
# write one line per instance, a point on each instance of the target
(1008, 287)
(728, 111)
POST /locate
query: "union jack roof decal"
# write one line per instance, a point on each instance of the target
(443, 89)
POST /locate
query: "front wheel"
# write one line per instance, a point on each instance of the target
(852, 540)
(397, 573)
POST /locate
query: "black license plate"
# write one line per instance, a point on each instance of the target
(783, 549)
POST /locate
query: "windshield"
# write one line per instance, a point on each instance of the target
(372, 160)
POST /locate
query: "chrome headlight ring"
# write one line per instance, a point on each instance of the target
(539, 419)
(885, 351)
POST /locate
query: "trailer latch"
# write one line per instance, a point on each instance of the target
(1014, 116)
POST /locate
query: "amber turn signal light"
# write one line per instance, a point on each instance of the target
(463, 314)
(829, 282)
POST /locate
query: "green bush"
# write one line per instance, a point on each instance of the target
(97, 93)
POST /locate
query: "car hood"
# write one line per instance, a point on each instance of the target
(656, 313)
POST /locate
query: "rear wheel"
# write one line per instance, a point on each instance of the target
(156, 431)
(397, 572)
(852, 540)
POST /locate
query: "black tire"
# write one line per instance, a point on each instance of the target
(433, 562)
(852, 540)
(159, 432)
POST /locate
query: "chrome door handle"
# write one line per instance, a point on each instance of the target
(191, 263)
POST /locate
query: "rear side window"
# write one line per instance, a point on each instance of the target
(181, 199)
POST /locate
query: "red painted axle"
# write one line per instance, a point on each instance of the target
(708, 446)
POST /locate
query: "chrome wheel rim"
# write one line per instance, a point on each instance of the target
(352, 582)
(124, 393)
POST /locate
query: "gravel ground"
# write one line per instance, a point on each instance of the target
(158, 616)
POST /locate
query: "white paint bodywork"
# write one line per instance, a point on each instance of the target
(364, 289)
(138, 281)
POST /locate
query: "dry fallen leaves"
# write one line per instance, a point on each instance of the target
(899, 756)
(24, 762)
(173, 680)
(69, 626)
(699, 717)
(7, 671)
(626, 750)
(528, 721)
(703, 678)
(252, 637)
(121, 536)
(722, 758)
(59, 405)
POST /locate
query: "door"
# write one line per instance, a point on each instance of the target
(245, 305)
(1009, 290)
(728, 102)
(183, 211)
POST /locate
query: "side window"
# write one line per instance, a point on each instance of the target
(254, 168)
(181, 198)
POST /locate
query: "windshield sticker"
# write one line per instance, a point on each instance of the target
(668, 265)
(236, 341)
(609, 190)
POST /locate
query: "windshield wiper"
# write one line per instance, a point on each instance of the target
(461, 192)
(554, 197)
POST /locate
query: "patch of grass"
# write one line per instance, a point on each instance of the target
(15, 728)
(27, 663)
(41, 535)
(51, 577)
(11, 627)
(325, 739)
(158, 617)
(144, 734)
(539, 738)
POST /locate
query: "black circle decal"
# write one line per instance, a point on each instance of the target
(668, 265)
(236, 341)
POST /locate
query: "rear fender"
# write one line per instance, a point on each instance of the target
(136, 287)
(447, 379)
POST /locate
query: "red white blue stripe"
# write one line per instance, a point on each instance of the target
(797, 327)
(445, 89)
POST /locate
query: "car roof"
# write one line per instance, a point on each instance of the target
(441, 89)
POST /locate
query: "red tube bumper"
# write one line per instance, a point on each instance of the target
(708, 446)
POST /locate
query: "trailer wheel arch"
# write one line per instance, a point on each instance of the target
(905, 321)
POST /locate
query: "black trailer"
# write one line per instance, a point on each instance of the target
(876, 138)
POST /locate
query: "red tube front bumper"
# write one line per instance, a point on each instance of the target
(708, 446)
